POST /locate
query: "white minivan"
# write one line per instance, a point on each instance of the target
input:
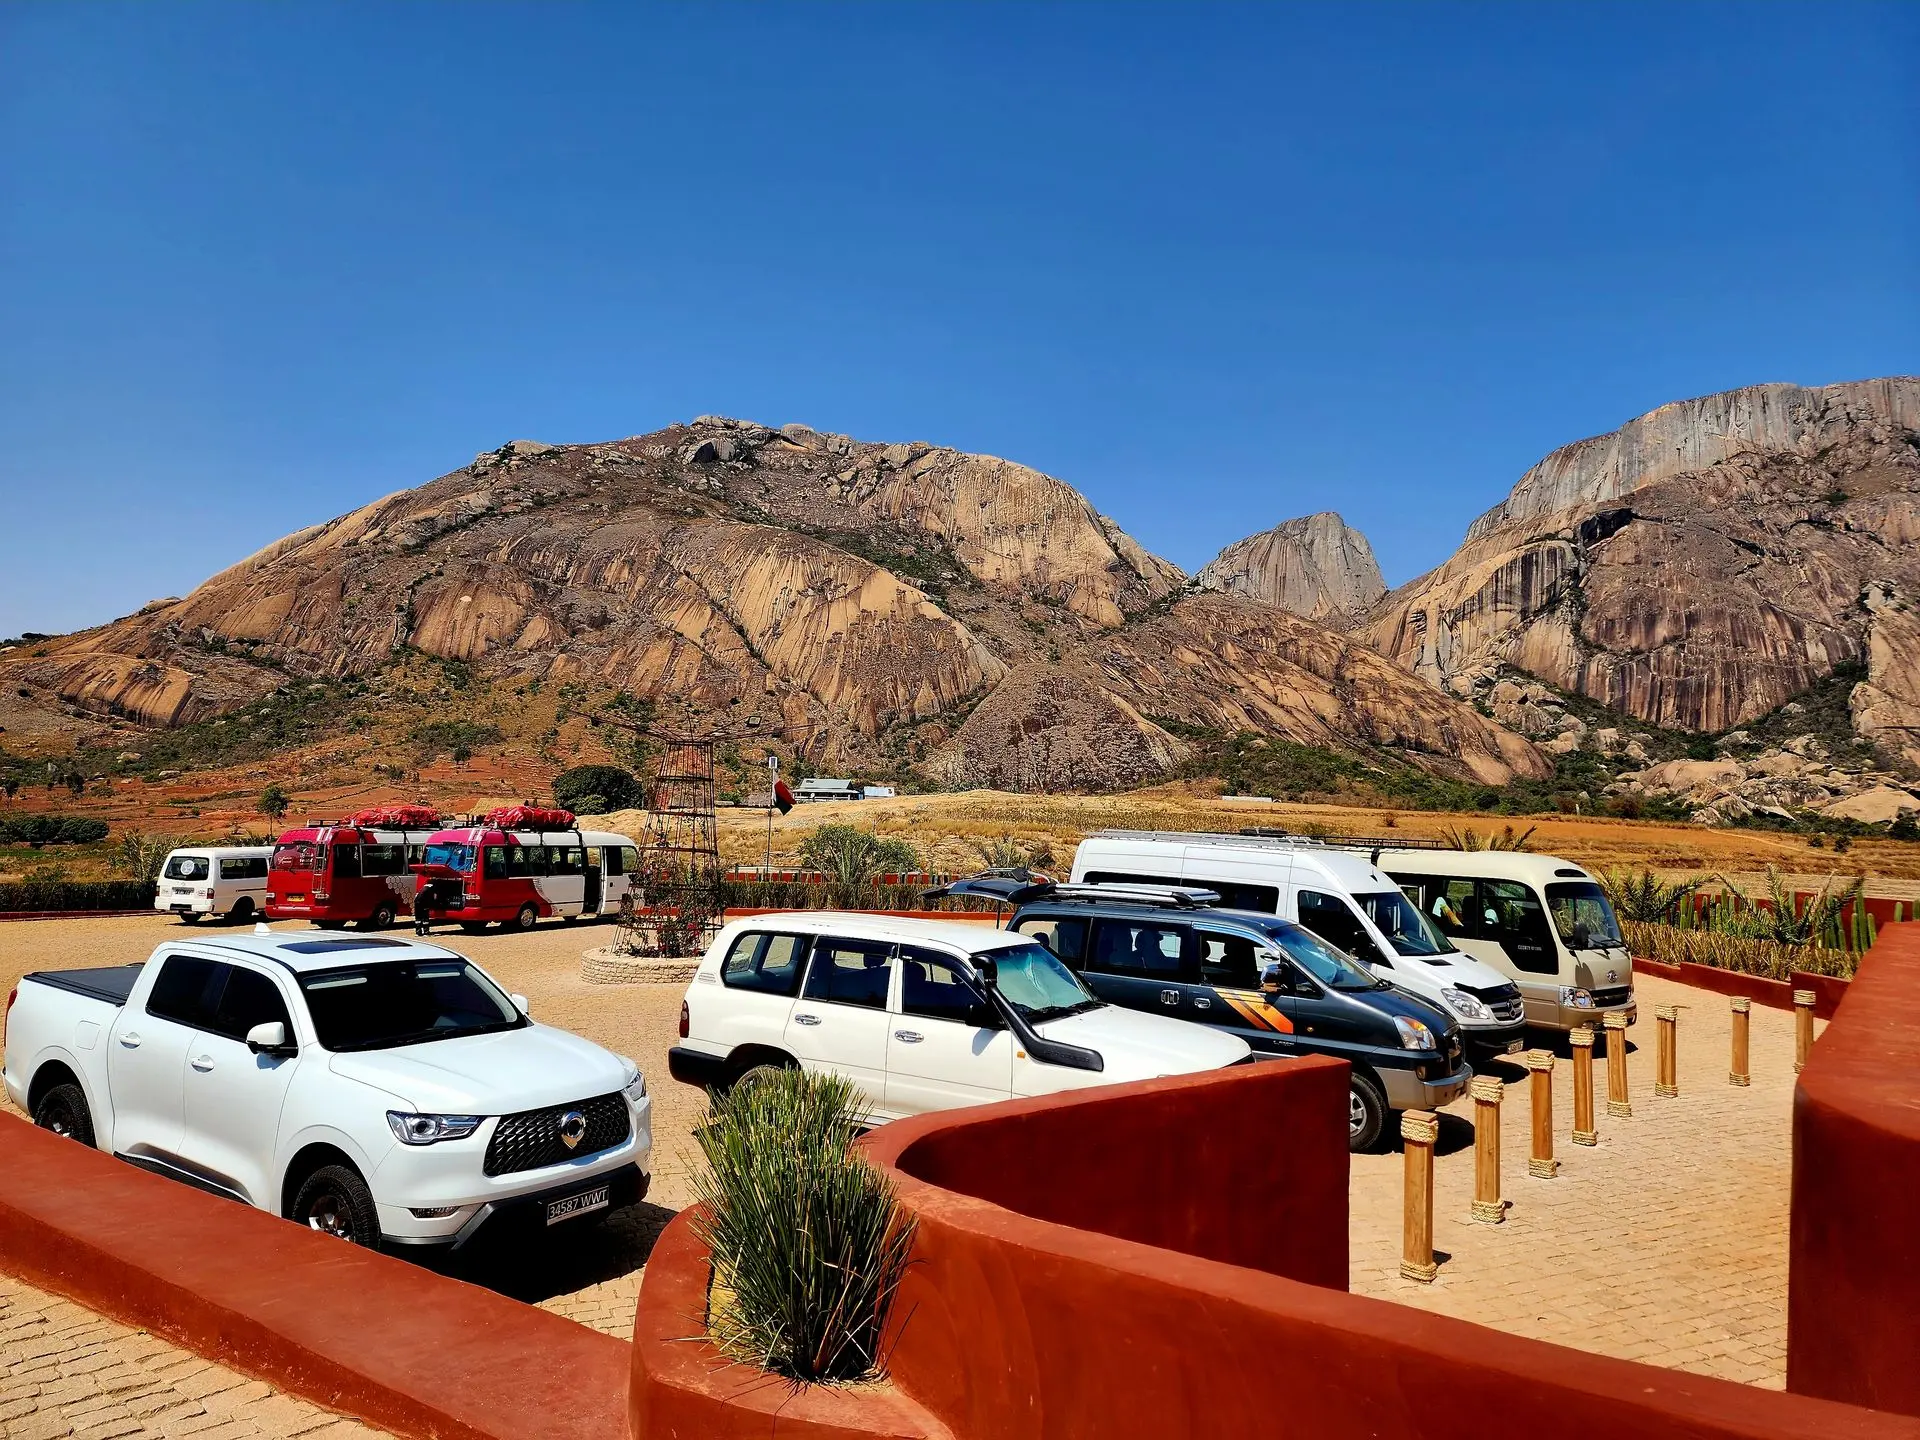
(1539, 919)
(1340, 896)
(919, 1014)
(229, 880)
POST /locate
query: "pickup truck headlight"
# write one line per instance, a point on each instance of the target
(1575, 997)
(1414, 1035)
(634, 1087)
(1467, 1007)
(430, 1129)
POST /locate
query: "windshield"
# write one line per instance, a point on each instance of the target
(1036, 984)
(457, 858)
(1332, 968)
(405, 1002)
(1583, 916)
(1406, 929)
(298, 855)
(187, 867)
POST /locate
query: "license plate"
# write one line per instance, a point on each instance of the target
(581, 1204)
(1514, 1047)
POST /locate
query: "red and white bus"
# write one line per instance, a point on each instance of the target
(353, 871)
(518, 864)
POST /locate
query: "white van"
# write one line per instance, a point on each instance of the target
(1337, 894)
(919, 1014)
(228, 880)
(1539, 919)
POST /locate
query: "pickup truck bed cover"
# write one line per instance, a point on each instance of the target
(112, 983)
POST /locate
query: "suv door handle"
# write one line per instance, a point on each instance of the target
(909, 1037)
(130, 1041)
(806, 1019)
(203, 1063)
(1169, 997)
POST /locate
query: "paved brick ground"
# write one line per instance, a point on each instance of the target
(66, 1371)
(1667, 1242)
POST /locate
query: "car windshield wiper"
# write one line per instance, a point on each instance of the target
(421, 1037)
(1060, 1012)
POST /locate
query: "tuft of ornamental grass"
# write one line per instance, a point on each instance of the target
(808, 1240)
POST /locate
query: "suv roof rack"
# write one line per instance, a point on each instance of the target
(1013, 890)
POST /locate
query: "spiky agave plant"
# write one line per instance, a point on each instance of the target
(808, 1240)
(1465, 837)
(1643, 895)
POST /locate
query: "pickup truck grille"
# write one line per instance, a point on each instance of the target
(531, 1140)
(1612, 998)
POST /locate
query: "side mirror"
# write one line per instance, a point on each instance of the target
(269, 1039)
(1273, 978)
(987, 970)
(520, 1004)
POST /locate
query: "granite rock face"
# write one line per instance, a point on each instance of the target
(1693, 569)
(1317, 566)
(867, 603)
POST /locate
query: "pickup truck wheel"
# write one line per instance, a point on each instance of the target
(335, 1201)
(63, 1110)
(1366, 1113)
(382, 917)
(527, 918)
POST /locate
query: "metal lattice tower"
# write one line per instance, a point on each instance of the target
(678, 905)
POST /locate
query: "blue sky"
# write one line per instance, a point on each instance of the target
(1215, 265)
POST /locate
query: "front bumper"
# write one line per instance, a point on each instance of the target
(1407, 1091)
(1571, 1017)
(448, 1177)
(1494, 1042)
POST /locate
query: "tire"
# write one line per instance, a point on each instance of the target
(473, 927)
(242, 910)
(334, 1200)
(754, 1074)
(382, 917)
(527, 918)
(63, 1110)
(189, 917)
(1366, 1113)
(331, 924)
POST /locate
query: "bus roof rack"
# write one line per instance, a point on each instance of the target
(1268, 838)
(1018, 890)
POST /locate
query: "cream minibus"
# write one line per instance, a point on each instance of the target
(1540, 920)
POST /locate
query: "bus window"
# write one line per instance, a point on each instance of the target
(610, 860)
(382, 859)
(346, 862)
(563, 860)
(496, 862)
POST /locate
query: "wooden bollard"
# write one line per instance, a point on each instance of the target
(1487, 1092)
(1666, 1075)
(1584, 1130)
(1541, 1164)
(1737, 1074)
(1418, 1131)
(1619, 1102)
(1803, 1002)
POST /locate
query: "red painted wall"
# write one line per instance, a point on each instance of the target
(1853, 1310)
(410, 1351)
(1015, 1327)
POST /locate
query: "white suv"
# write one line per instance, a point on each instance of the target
(919, 1014)
(375, 1089)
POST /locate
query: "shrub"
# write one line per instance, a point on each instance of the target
(1644, 896)
(1905, 828)
(39, 830)
(274, 801)
(850, 857)
(608, 787)
(1467, 838)
(808, 1240)
(51, 890)
(80, 830)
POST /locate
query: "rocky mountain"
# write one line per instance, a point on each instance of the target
(1697, 567)
(870, 605)
(1317, 566)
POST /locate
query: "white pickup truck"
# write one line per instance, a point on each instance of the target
(380, 1090)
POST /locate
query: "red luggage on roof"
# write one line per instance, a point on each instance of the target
(529, 817)
(399, 817)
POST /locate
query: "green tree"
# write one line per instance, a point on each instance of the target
(461, 755)
(614, 788)
(274, 801)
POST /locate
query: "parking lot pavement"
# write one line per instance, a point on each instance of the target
(66, 1371)
(1666, 1242)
